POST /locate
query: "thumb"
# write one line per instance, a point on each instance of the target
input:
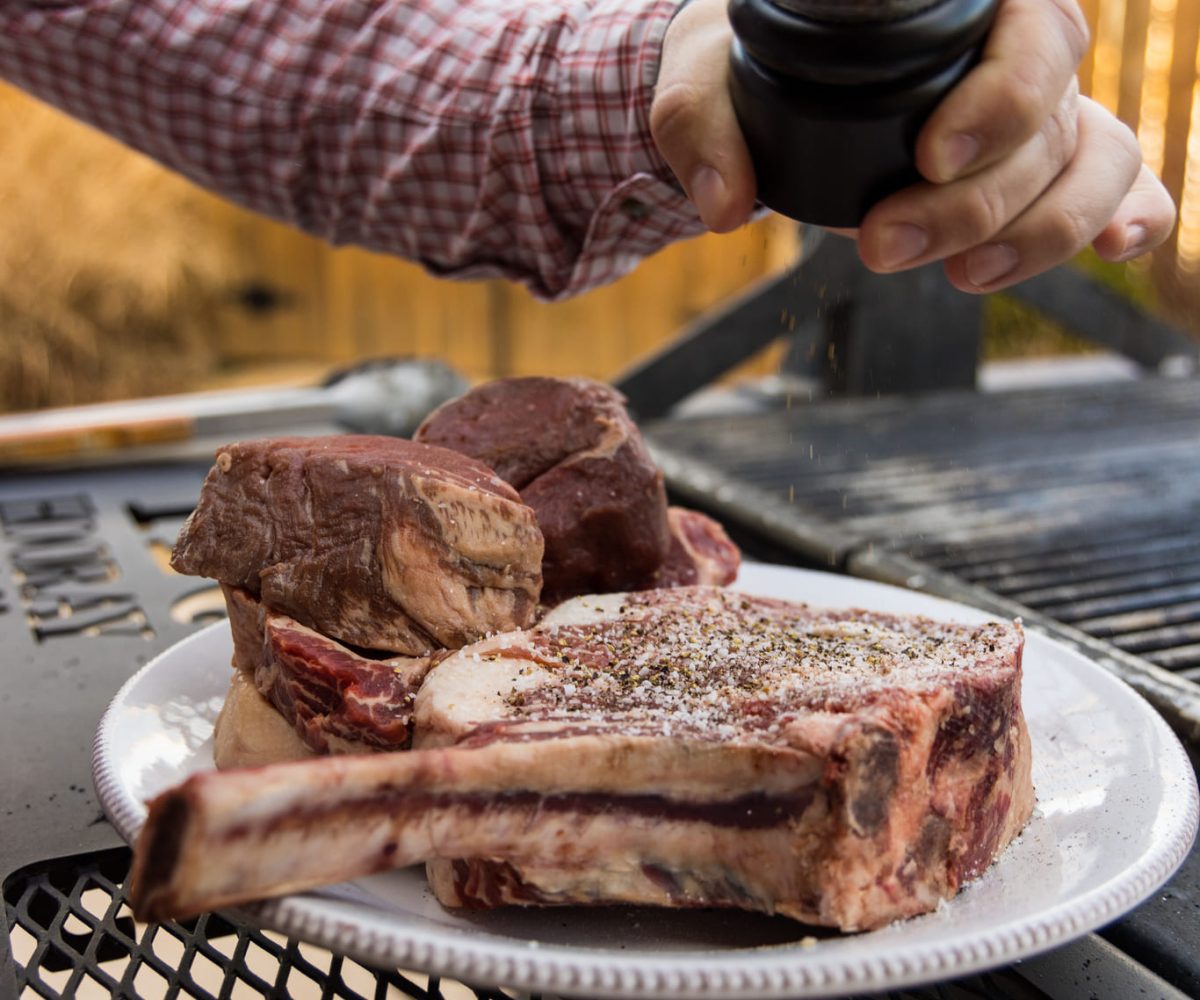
(692, 120)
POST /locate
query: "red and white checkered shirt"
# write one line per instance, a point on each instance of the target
(478, 137)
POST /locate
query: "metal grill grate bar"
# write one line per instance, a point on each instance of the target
(1080, 612)
(1028, 552)
(81, 940)
(1111, 626)
(1081, 557)
(1078, 502)
(1109, 580)
(1167, 645)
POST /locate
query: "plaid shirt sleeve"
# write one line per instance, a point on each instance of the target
(477, 137)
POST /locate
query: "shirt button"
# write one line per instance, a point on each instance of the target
(635, 210)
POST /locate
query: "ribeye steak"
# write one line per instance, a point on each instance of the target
(689, 747)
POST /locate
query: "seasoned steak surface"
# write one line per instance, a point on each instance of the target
(712, 663)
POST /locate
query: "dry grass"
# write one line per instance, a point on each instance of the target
(111, 270)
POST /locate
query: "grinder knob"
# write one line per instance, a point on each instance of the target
(830, 94)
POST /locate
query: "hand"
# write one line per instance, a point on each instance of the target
(692, 119)
(1021, 171)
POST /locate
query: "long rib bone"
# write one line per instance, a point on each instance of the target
(609, 802)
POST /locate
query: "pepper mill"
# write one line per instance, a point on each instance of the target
(830, 94)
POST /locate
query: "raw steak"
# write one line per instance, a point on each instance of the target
(571, 449)
(340, 700)
(375, 541)
(689, 747)
(335, 699)
(700, 552)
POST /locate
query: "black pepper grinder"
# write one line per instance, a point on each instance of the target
(831, 94)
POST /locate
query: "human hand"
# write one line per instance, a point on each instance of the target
(1021, 171)
(692, 119)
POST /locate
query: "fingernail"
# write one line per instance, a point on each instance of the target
(901, 243)
(958, 152)
(708, 193)
(990, 263)
(1135, 241)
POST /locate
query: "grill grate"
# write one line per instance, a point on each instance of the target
(1079, 503)
(1137, 587)
(73, 935)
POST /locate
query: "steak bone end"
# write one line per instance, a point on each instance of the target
(227, 837)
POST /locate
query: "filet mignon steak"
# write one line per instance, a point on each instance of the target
(374, 541)
(570, 448)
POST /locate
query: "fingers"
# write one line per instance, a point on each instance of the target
(1079, 179)
(692, 119)
(1144, 219)
(930, 221)
(1073, 211)
(1028, 62)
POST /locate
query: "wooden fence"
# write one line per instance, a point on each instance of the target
(1144, 65)
(345, 304)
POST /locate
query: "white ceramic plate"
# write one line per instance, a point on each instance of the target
(1117, 812)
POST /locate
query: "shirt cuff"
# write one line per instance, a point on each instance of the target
(629, 201)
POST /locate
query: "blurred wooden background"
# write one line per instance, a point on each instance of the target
(1144, 65)
(118, 279)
